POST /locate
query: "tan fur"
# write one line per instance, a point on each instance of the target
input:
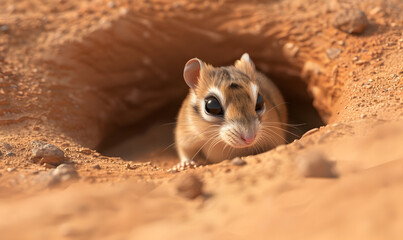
(219, 140)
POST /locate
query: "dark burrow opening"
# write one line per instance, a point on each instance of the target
(132, 71)
(153, 139)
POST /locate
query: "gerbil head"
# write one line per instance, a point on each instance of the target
(225, 101)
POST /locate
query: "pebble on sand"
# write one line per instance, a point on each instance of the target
(86, 151)
(238, 161)
(350, 21)
(10, 154)
(4, 28)
(290, 50)
(189, 186)
(111, 4)
(46, 153)
(7, 146)
(63, 173)
(96, 166)
(333, 53)
(314, 164)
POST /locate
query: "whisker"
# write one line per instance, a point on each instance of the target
(167, 124)
(289, 132)
(267, 129)
(200, 149)
(206, 131)
(216, 139)
(273, 137)
(284, 124)
(276, 106)
(269, 137)
(213, 146)
(261, 147)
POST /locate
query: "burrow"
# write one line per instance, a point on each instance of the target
(125, 82)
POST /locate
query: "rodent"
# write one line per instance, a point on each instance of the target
(229, 112)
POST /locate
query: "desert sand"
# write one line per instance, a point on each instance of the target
(101, 81)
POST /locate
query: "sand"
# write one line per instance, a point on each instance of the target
(101, 80)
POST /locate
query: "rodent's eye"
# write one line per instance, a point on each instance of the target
(259, 103)
(213, 106)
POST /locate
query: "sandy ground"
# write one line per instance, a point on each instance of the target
(101, 80)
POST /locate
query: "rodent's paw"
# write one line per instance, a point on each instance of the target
(183, 166)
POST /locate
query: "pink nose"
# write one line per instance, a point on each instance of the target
(248, 139)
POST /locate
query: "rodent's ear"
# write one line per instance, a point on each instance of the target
(191, 72)
(245, 64)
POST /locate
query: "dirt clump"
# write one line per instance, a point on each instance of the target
(313, 163)
(62, 175)
(189, 186)
(351, 21)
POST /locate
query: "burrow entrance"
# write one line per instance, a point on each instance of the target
(133, 70)
(155, 142)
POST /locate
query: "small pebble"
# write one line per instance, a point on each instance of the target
(96, 166)
(341, 43)
(393, 76)
(361, 62)
(11, 169)
(4, 28)
(290, 50)
(189, 186)
(63, 173)
(177, 4)
(238, 161)
(111, 4)
(314, 164)
(10, 154)
(375, 10)
(350, 21)
(131, 167)
(333, 53)
(7, 146)
(46, 153)
(86, 151)
(47, 165)
(123, 11)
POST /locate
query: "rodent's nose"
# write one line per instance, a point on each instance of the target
(248, 139)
